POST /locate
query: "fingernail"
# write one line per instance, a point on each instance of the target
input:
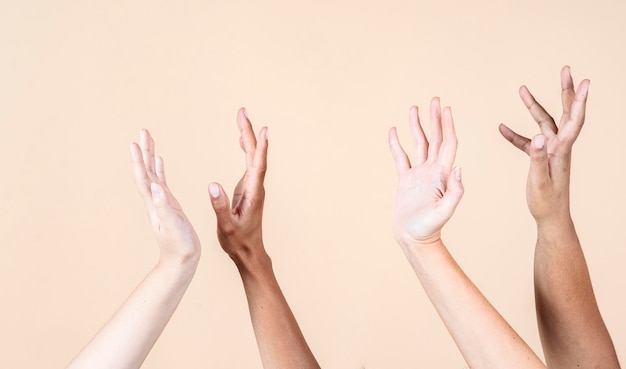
(539, 141)
(267, 133)
(457, 173)
(245, 113)
(156, 191)
(214, 190)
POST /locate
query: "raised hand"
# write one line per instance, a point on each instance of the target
(239, 229)
(428, 192)
(572, 331)
(428, 188)
(174, 233)
(239, 224)
(550, 152)
(127, 338)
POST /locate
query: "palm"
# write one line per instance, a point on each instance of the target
(174, 233)
(428, 190)
(420, 193)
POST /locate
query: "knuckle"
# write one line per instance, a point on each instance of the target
(227, 229)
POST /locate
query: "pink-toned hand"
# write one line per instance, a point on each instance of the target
(547, 190)
(428, 188)
(175, 235)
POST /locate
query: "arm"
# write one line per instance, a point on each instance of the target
(126, 340)
(428, 193)
(572, 331)
(239, 229)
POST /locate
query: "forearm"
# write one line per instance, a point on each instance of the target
(126, 339)
(484, 338)
(571, 327)
(281, 343)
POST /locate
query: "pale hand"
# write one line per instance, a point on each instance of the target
(428, 188)
(175, 235)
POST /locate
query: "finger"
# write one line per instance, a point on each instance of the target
(419, 139)
(139, 171)
(571, 128)
(160, 172)
(221, 206)
(160, 169)
(152, 157)
(450, 143)
(259, 162)
(539, 171)
(567, 93)
(399, 155)
(544, 120)
(248, 141)
(146, 143)
(238, 192)
(518, 141)
(454, 192)
(435, 129)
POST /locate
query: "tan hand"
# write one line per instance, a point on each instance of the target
(239, 224)
(547, 191)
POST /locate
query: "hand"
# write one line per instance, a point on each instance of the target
(239, 225)
(428, 190)
(175, 234)
(547, 190)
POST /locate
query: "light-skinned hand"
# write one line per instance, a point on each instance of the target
(429, 189)
(175, 235)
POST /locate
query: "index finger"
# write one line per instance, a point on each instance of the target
(259, 161)
(399, 155)
(539, 114)
(567, 93)
(571, 128)
(450, 142)
(248, 141)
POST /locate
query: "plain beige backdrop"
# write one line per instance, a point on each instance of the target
(78, 79)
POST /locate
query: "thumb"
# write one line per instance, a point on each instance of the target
(454, 191)
(539, 163)
(220, 202)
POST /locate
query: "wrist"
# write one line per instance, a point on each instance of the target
(416, 247)
(419, 253)
(189, 257)
(555, 223)
(409, 241)
(179, 265)
(251, 258)
(555, 231)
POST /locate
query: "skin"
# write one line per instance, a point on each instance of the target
(239, 230)
(429, 190)
(572, 331)
(127, 338)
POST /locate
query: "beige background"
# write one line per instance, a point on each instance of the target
(79, 79)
